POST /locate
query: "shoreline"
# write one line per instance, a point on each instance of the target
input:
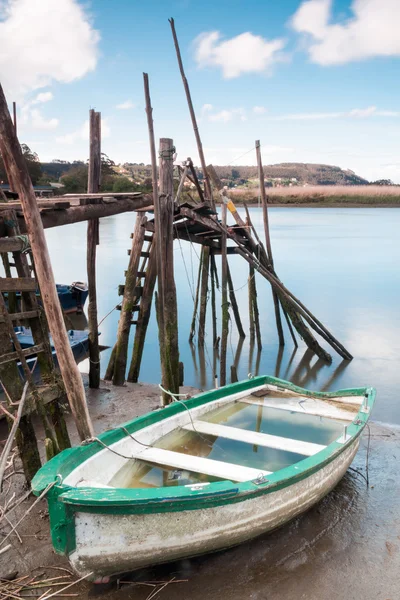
(319, 205)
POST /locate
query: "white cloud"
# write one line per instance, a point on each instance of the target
(259, 110)
(206, 108)
(372, 31)
(44, 41)
(83, 133)
(39, 122)
(245, 53)
(228, 115)
(355, 113)
(33, 117)
(126, 105)
(42, 97)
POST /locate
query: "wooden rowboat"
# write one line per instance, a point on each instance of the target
(200, 475)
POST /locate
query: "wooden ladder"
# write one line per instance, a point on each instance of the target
(141, 274)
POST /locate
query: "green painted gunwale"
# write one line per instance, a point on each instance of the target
(64, 501)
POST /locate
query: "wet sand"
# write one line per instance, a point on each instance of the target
(347, 546)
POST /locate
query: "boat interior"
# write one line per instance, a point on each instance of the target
(238, 438)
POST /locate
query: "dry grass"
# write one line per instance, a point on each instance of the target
(330, 194)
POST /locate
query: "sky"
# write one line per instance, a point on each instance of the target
(314, 80)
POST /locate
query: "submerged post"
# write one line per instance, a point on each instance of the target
(11, 151)
(225, 306)
(92, 242)
(170, 351)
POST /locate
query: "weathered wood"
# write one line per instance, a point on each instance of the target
(196, 300)
(169, 353)
(110, 367)
(234, 304)
(205, 267)
(77, 214)
(22, 316)
(234, 375)
(18, 284)
(225, 305)
(31, 351)
(268, 241)
(183, 174)
(10, 148)
(11, 244)
(25, 436)
(207, 185)
(196, 182)
(94, 174)
(255, 311)
(251, 305)
(213, 303)
(129, 299)
(143, 317)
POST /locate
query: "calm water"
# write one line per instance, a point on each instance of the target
(342, 263)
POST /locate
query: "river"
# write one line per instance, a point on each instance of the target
(342, 263)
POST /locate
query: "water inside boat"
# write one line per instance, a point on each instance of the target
(241, 434)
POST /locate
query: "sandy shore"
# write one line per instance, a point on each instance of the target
(348, 546)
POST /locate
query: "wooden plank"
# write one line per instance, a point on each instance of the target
(20, 316)
(77, 214)
(104, 195)
(253, 437)
(26, 352)
(18, 284)
(307, 406)
(197, 464)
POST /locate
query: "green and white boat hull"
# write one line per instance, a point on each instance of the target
(105, 530)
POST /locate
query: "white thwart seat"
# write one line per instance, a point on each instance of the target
(197, 464)
(307, 406)
(258, 439)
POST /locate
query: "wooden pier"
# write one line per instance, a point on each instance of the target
(165, 216)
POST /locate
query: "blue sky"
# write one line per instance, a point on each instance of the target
(316, 81)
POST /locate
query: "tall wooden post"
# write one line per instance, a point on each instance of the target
(10, 148)
(225, 307)
(169, 345)
(92, 241)
(15, 116)
(205, 267)
(268, 241)
(207, 184)
(124, 325)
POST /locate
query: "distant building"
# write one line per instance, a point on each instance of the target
(41, 191)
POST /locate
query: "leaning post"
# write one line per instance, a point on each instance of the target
(11, 150)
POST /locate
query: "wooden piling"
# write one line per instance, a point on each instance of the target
(213, 301)
(225, 305)
(251, 305)
(234, 304)
(196, 299)
(169, 350)
(254, 302)
(10, 148)
(124, 325)
(94, 174)
(205, 267)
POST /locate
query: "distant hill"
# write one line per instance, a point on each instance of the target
(304, 173)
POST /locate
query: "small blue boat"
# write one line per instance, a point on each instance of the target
(79, 341)
(72, 297)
